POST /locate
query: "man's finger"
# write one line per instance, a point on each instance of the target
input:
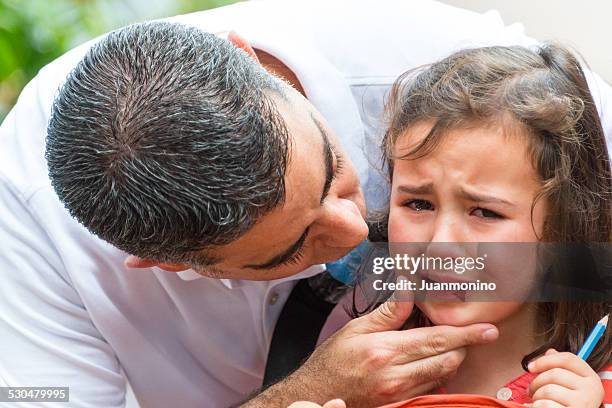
(336, 403)
(304, 404)
(391, 315)
(420, 377)
(423, 342)
(431, 369)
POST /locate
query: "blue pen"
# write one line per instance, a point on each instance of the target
(591, 341)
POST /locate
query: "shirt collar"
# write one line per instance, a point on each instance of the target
(519, 388)
(516, 390)
(190, 274)
(325, 86)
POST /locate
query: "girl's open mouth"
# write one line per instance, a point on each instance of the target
(441, 290)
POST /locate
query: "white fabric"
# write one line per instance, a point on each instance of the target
(605, 375)
(72, 315)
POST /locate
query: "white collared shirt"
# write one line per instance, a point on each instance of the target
(72, 315)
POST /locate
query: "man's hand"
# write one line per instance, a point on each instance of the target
(564, 380)
(337, 403)
(369, 362)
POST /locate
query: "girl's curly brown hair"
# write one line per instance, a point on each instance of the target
(544, 92)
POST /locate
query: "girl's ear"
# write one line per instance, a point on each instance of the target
(242, 43)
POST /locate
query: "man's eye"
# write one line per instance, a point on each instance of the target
(419, 205)
(484, 213)
(295, 259)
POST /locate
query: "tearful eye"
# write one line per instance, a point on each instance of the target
(484, 213)
(419, 205)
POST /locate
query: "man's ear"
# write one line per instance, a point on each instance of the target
(242, 43)
(137, 263)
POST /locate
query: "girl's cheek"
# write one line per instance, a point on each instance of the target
(403, 227)
(516, 230)
(504, 231)
(396, 227)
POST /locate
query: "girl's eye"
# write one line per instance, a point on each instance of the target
(419, 205)
(484, 213)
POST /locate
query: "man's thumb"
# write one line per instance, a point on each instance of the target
(391, 315)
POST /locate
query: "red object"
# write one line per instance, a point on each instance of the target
(518, 386)
(606, 380)
(454, 401)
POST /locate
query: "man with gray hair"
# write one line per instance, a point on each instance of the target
(174, 145)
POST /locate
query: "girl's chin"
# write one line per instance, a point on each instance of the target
(454, 313)
(465, 313)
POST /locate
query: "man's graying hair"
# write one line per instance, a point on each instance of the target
(164, 141)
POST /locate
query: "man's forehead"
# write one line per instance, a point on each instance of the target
(304, 182)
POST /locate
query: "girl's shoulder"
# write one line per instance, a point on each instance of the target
(606, 379)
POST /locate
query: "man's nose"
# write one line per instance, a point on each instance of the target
(342, 224)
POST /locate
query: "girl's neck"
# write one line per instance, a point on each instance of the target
(487, 368)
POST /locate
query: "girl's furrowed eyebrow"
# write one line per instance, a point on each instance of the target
(428, 189)
(416, 189)
(484, 198)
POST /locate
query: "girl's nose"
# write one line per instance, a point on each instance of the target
(451, 238)
(342, 224)
(448, 228)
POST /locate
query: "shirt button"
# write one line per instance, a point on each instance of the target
(273, 298)
(504, 394)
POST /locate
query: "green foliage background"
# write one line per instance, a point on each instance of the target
(34, 32)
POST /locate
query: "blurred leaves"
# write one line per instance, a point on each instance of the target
(34, 32)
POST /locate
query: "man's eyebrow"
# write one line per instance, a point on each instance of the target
(284, 256)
